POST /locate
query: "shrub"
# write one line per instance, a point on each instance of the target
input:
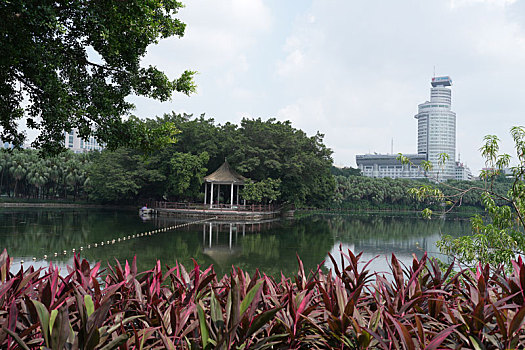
(416, 306)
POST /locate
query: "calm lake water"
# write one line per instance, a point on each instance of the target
(269, 246)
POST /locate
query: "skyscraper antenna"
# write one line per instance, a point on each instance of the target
(434, 72)
(392, 146)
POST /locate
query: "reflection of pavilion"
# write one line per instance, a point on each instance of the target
(223, 183)
(214, 234)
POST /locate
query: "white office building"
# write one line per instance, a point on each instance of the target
(436, 135)
(78, 145)
(387, 165)
(436, 130)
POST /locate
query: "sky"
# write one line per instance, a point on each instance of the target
(353, 70)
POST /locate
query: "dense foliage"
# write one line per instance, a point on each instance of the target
(283, 163)
(345, 171)
(418, 307)
(260, 150)
(23, 173)
(360, 192)
(71, 64)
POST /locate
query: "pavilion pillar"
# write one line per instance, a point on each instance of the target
(211, 198)
(238, 194)
(205, 191)
(218, 194)
(231, 197)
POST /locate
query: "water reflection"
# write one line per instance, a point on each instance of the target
(271, 247)
(378, 237)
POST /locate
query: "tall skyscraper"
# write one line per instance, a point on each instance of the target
(436, 129)
(436, 135)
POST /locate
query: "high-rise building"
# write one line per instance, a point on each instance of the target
(436, 136)
(76, 144)
(436, 130)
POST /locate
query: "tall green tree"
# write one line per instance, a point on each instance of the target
(120, 175)
(71, 64)
(186, 173)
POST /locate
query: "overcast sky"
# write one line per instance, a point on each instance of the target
(352, 70)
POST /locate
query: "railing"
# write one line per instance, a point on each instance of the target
(225, 207)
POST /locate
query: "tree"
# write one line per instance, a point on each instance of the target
(346, 171)
(118, 176)
(186, 174)
(71, 64)
(266, 190)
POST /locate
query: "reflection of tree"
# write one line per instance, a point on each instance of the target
(35, 232)
(271, 247)
(266, 248)
(364, 227)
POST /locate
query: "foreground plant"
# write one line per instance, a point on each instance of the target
(412, 307)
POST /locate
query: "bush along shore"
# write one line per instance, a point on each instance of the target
(417, 307)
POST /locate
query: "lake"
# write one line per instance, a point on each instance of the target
(29, 233)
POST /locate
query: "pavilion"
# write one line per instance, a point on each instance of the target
(224, 175)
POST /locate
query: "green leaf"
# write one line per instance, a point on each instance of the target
(216, 310)
(476, 343)
(52, 318)
(203, 326)
(43, 316)
(249, 297)
(90, 307)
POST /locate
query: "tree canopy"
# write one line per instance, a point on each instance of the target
(71, 64)
(262, 149)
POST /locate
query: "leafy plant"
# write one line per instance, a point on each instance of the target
(419, 306)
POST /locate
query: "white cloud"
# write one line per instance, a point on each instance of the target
(368, 64)
(354, 70)
(462, 3)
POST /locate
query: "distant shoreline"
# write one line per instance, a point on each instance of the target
(63, 205)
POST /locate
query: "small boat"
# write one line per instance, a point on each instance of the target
(144, 211)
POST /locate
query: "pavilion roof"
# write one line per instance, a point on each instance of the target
(225, 175)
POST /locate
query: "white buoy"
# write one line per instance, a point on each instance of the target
(101, 243)
(73, 250)
(96, 245)
(21, 261)
(34, 259)
(81, 248)
(107, 242)
(124, 238)
(89, 246)
(56, 254)
(45, 257)
(65, 252)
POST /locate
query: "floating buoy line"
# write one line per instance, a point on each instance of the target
(124, 238)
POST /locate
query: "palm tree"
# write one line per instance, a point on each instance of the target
(17, 169)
